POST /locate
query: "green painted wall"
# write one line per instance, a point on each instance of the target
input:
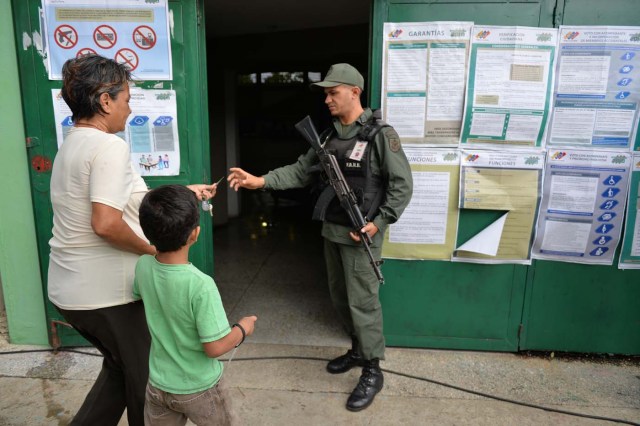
(21, 281)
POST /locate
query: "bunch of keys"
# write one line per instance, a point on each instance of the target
(206, 205)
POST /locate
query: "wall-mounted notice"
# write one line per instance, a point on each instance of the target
(427, 228)
(151, 130)
(509, 87)
(582, 206)
(424, 68)
(630, 253)
(133, 32)
(597, 87)
(504, 182)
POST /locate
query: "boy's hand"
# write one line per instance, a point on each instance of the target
(248, 323)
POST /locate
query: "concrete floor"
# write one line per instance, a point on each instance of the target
(277, 377)
(277, 273)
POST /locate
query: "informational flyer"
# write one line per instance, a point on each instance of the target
(427, 228)
(424, 71)
(151, 130)
(582, 208)
(630, 253)
(597, 88)
(508, 183)
(509, 88)
(132, 32)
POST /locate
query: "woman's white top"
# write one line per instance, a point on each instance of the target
(85, 271)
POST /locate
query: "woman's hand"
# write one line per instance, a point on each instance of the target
(108, 224)
(204, 191)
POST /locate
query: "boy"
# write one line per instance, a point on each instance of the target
(188, 325)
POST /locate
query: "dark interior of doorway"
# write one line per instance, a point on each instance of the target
(268, 259)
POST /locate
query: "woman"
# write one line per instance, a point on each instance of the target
(97, 239)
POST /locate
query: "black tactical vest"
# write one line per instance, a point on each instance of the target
(368, 187)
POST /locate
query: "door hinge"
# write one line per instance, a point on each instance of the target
(520, 328)
(55, 337)
(31, 141)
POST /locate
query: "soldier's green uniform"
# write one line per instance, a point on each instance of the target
(352, 282)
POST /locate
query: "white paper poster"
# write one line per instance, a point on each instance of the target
(582, 208)
(508, 185)
(509, 88)
(427, 228)
(423, 80)
(488, 240)
(597, 87)
(132, 32)
(151, 130)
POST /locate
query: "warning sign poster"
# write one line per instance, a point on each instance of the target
(132, 32)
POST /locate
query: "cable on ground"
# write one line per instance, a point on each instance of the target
(397, 373)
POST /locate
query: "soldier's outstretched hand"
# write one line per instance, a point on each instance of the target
(238, 178)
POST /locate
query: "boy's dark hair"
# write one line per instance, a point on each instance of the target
(168, 214)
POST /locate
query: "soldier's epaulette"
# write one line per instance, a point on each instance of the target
(393, 138)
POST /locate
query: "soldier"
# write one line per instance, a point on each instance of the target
(375, 166)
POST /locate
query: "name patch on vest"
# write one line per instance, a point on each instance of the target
(358, 151)
(353, 165)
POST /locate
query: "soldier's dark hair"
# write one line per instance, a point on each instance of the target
(168, 214)
(85, 78)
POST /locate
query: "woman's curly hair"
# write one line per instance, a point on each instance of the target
(84, 79)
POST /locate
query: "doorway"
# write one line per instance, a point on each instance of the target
(268, 258)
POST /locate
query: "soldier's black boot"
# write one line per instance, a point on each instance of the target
(370, 384)
(346, 362)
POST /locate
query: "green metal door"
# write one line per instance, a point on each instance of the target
(584, 308)
(189, 82)
(546, 306)
(444, 304)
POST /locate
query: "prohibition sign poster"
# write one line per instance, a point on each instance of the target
(65, 36)
(132, 32)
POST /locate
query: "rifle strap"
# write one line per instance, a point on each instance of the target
(325, 135)
(368, 132)
(372, 127)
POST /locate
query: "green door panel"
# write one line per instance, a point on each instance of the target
(585, 308)
(452, 305)
(599, 12)
(189, 82)
(525, 14)
(444, 304)
(582, 308)
(561, 306)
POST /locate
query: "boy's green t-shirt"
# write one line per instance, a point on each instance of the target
(183, 310)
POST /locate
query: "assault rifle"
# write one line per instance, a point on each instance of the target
(345, 194)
